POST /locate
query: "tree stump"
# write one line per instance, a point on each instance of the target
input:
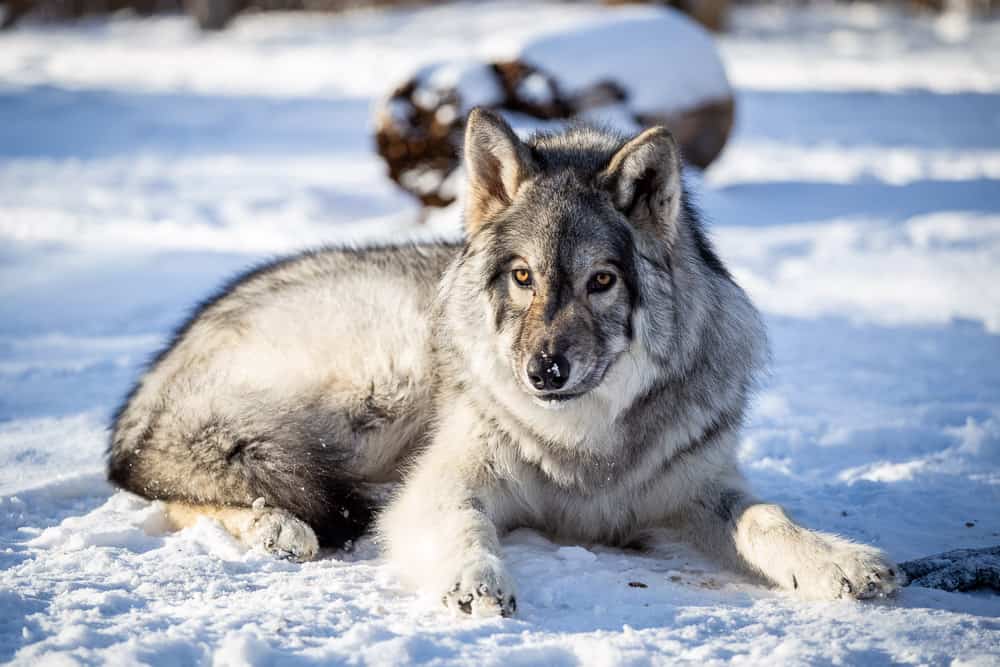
(632, 69)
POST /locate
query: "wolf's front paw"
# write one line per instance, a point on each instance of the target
(853, 571)
(281, 534)
(484, 589)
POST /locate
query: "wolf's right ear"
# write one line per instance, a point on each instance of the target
(644, 180)
(496, 164)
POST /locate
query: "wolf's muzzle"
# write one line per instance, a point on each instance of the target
(548, 372)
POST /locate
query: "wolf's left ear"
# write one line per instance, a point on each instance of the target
(644, 179)
(496, 164)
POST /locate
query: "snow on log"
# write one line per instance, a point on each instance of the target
(959, 570)
(631, 68)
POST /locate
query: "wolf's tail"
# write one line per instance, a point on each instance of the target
(276, 453)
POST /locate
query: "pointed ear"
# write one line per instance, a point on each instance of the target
(644, 179)
(496, 164)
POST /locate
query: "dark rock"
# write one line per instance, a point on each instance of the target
(959, 570)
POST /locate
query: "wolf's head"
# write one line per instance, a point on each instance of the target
(572, 237)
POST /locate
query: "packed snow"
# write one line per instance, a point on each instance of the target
(635, 44)
(142, 163)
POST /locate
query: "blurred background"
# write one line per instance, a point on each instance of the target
(215, 14)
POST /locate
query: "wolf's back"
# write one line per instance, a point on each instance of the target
(298, 381)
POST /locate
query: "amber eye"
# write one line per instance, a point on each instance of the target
(522, 277)
(601, 282)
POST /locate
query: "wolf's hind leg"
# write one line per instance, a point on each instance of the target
(259, 527)
(814, 565)
(296, 461)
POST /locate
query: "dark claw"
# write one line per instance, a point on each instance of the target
(845, 584)
(465, 604)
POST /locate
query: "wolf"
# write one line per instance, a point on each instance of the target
(580, 365)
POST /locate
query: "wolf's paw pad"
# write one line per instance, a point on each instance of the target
(857, 572)
(282, 535)
(482, 591)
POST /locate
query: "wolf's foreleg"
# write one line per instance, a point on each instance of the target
(440, 534)
(814, 565)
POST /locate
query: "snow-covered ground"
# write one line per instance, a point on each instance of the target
(141, 163)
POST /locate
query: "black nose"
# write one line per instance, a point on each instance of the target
(547, 372)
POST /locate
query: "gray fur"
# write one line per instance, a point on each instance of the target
(262, 393)
(310, 379)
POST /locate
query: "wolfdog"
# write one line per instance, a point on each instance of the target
(580, 365)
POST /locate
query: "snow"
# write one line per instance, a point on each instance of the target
(858, 201)
(939, 268)
(639, 46)
(474, 81)
(863, 48)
